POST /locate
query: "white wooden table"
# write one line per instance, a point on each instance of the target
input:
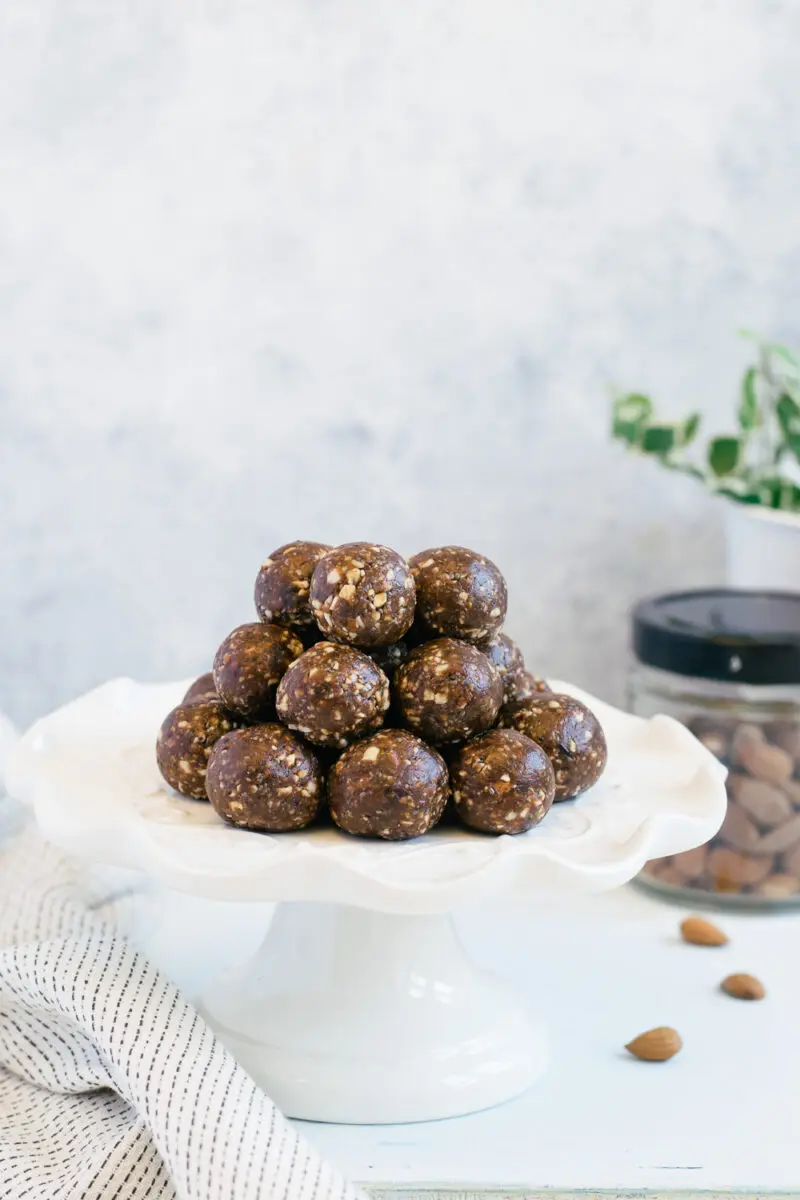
(722, 1117)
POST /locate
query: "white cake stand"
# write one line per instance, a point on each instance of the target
(361, 1005)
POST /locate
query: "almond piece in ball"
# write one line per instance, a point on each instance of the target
(502, 782)
(570, 735)
(250, 664)
(333, 694)
(390, 785)
(446, 691)
(185, 741)
(264, 778)
(363, 594)
(284, 582)
(459, 593)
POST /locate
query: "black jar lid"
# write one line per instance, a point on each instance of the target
(735, 636)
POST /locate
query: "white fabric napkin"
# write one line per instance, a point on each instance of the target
(111, 1085)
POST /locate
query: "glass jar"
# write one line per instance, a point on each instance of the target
(727, 665)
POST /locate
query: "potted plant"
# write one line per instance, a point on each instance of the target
(755, 469)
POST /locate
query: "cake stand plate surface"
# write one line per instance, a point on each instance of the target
(361, 1005)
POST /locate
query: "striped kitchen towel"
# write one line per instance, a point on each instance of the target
(111, 1085)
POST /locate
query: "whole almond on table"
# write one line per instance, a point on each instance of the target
(743, 987)
(700, 932)
(657, 1045)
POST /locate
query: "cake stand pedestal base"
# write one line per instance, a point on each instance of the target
(355, 1016)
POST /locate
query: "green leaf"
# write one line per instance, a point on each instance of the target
(724, 454)
(630, 412)
(788, 413)
(749, 412)
(634, 403)
(658, 439)
(690, 427)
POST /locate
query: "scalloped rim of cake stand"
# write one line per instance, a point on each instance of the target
(88, 770)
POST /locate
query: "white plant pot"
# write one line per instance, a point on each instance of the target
(762, 548)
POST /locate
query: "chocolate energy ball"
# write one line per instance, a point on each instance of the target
(202, 688)
(522, 685)
(506, 657)
(569, 734)
(502, 782)
(185, 741)
(264, 778)
(363, 594)
(446, 691)
(333, 694)
(250, 664)
(284, 581)
(390, 785)
(459, 593)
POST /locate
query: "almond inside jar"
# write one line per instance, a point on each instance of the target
(727, 666)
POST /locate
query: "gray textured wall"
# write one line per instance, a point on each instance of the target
(344, 270)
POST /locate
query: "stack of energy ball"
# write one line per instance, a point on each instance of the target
(386, 686)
